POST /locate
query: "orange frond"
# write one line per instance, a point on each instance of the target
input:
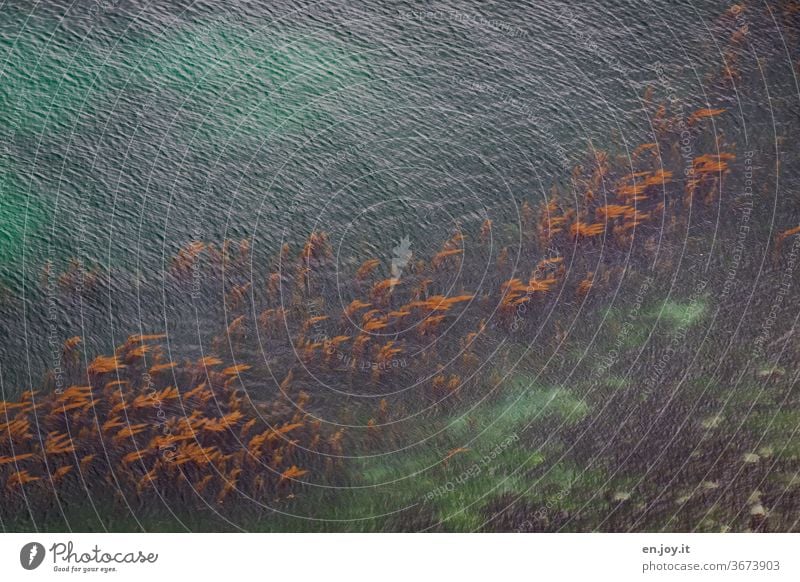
(585, 285)
(486, 230)
(72, 342)
(236, 326)
(312, 321)
(131, 430)
(440, 257)
(20, 478)
(61, 471)
(540, 285)
(653, 147)
(15, 459)
(611, 211)
(703, 113)
(580, 229)
(207, 361)
(354, 306)
(104, 364)
(293, 472)
(374, 325)
(381, 286)
(782, 236)
(236, 370)
(57, 444)
(162, 367)
(366, 269)
(134, 457)
(140, 338)
(316, 247)
(85, 461)
(453, 452)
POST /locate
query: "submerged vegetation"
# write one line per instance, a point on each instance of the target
(494, 384)
(131, 430)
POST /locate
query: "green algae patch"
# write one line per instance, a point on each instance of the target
(20, 217)
(528, 401)
(778, 432)
(678, 315)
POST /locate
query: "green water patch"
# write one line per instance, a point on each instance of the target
(679, 314)
(778, 431)
(743, 396)
(622, 329)
(234, 81)
(615, 382)
(108, 113)
(626, 329)
(44, 83)
(227, 76)
(20, 220)
(622, 332)
(526, 401)
(474, 458)
(459, 500)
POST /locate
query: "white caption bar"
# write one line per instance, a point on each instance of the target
(354, 557)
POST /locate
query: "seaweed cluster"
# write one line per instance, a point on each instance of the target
(146, 429)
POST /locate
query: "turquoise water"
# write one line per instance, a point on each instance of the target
(137, 117)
